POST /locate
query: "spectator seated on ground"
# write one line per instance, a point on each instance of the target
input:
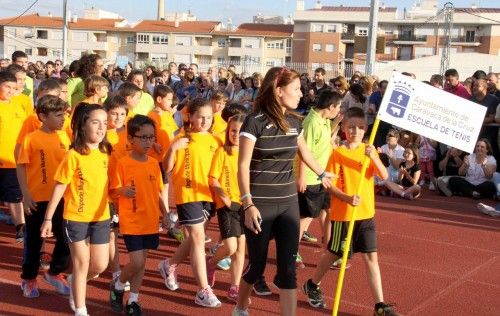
(408, 175)
(476, 173)
(394, 152)
(449, 165)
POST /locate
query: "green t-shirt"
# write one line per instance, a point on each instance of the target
(146, 104)
(28, 87)
(75, 91)
(317, 135)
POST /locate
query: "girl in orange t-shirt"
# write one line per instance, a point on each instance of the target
(83, 180)
(189, 159)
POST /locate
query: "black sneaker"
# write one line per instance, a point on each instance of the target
(260, 288)
(116, 299)
(314, 295)
(133, 309)
(384, 310)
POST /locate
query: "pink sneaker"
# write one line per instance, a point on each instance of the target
(168, 274)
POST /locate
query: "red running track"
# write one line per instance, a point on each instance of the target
(438, 256)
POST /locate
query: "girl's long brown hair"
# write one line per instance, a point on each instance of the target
(267, 101)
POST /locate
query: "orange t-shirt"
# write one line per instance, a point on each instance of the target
(32, 123)
(165, 128)
(346, 164)
(121, 147)
(139, 215)
(42, 152)
(219, 127)
(12, 117)
(225, 170)
(191, 168)
(86, 197)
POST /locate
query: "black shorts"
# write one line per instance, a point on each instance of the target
(314, 199)
(141, 242)
(114, 223)
(230, 223)
(97, 232)
(10, 191)
(193, 213)
(364, 237)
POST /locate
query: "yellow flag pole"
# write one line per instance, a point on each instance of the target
(347, 244)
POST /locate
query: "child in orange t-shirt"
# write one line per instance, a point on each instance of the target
(189, 159)
(39, 156)
(137, 185)
(82, 177)
(224, 182)
(346, 162)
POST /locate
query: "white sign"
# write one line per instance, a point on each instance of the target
(431, 112)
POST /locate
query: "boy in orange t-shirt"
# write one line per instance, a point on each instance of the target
(39, 157)
(346, 162)
(137, 185)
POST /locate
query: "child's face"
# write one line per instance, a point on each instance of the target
(354, 129)
(102, 92)
(95, 127)
(116, 117)
(408, 154)
(138, 80)
(7, 90)
(64, 92)
(143, 139)
(21, 78)
(133, 100)
(334, 111)
(221, 87)
(165, 102)
(217, 106)
(201, 121)
(234, 133)
(53, 120)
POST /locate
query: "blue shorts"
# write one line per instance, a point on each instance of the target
(141, 242)
(96, 232)
(10, 191)
(193, 213)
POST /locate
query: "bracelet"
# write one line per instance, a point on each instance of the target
(244, 196)
(247, 207)
(322, 175)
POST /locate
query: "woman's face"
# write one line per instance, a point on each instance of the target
(99, 66)
(237, 85)
(481, 148)
(149, 72)
(290, 94)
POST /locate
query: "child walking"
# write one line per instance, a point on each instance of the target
(39, 156)
(346, 162)
(189, 159)
(136, 184)
(408, 176)
(224, 182)
(82, 177)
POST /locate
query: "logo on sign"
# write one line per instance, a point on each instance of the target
(399, 100)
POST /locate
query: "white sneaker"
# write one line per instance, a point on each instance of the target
(432, 187)
(69, 279)
(421, 183)
(169, 275)
(207, 298)
(239, 312)
(127, 283)
(443, 187)
(488, 210)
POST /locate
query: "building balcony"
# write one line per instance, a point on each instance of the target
(243, 51)
(466, 40)
(407, 39)
(347, 37)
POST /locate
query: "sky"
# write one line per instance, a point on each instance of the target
(216, 10)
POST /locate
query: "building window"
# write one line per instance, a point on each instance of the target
(160, 39)
(131, 39)
(470, 36)
(221, 60)
(363, 32)
(28, 51)
(221, 42)
(316, 47)
(331, 28)
(270, 45)
(330, 48)
(143, 39)
(42, 34)
(317, 27)
(42, 51)
(275, 45)
(80, 36)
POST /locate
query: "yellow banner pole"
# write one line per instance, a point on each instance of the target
(347, 244)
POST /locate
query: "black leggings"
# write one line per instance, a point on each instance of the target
(33, 243)
(280, 221)
(459, 185)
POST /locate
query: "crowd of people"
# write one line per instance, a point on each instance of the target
(91, 153)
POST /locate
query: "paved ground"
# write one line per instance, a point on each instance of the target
(438, 256)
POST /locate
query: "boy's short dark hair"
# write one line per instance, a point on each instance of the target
(50, 103)
(115, 102)
(50, 62)
(320, 70)
(233, 109)
(162, 91)
(135, 123)
(15, 68)
(354, 112)
(328, 97)
(18, 54)
(451, 72)
(50, 84)
(393, 133)
(6, 76)
(223, 81)
(128, 89)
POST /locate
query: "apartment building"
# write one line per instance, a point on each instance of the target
(159, 41)
(338, 34)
